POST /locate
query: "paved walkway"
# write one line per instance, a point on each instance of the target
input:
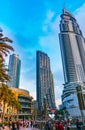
(6, 128)
(29, 129)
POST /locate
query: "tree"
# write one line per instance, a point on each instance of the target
(45, 111)
(62, 113)
(4, 97)
(17, 107)
(4, 50)
(4, 47)
(3, 72)
(7, 97)
(14, 104)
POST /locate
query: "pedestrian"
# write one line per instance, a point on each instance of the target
(9, 124)
(56, 125)
(68, 124)
(49, 125)
(18, 125)
(46, 125)
(78, 124)
(31, 123)
(0, 127)
(14, 126)
(3, 126)
(60, 126)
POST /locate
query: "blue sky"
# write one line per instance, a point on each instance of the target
(34, 25)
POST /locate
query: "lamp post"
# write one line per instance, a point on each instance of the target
(0, 112)
(0, 115)
(81, 101)
(45, 107)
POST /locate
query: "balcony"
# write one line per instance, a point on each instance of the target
(24, 113)
(24, 101)
(26, 107)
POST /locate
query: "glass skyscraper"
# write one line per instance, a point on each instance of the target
(44, 81)
(14, 70)
(72, 45)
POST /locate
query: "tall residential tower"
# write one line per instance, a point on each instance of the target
(44, 80)
(14, 70)
(72, 44)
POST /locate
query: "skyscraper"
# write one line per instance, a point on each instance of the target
(72, 47)
(14, 70)
(44, 80)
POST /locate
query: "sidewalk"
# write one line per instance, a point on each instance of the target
(6, 128)
(28, 128)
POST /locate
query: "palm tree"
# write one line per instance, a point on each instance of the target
(4, 97)
(4, 47)
(4, 50)
(17, 107)
(3, 72)
(7, 97)
(13, 103)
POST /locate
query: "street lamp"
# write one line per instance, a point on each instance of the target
(0, 112)
(81, 101)
(45, 107)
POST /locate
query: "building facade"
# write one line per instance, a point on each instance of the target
(14, 70)
(44, 81)
(72, 45)
(25, 100)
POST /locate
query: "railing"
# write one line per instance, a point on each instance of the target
(26, 101)
(24, 113)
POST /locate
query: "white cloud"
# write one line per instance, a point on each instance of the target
(58, 102)
(50, 40)
(58, 90)
(58, 93)
(33, 94)
(50, 14)
(29, 85)
(80, 16)
(6, 31)
(50, 43)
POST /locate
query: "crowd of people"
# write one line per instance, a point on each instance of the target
(16, 125)
(63, 125)
(48, 125)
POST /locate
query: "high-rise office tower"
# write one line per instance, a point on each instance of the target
(14, 70)
(44, 80)
(72, 45)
